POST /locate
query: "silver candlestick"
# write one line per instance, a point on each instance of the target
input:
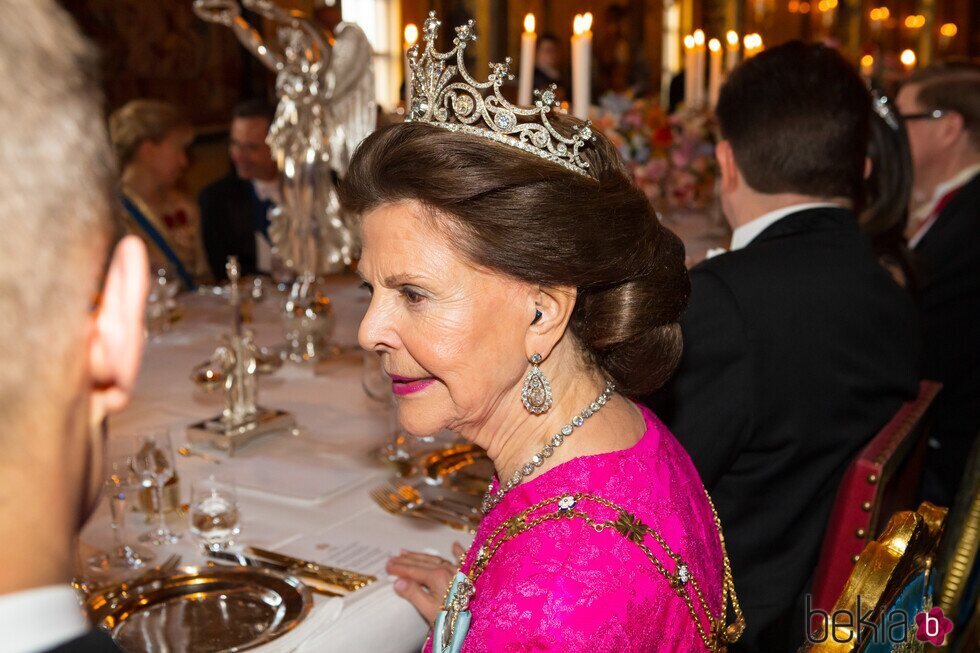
(234, 366)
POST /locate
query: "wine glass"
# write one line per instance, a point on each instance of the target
(374, 381)
(154, 466)
(121, 482)
(215, 519)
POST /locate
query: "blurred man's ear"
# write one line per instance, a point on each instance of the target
(117, 339)
(731, 178)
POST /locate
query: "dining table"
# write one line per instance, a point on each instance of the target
(304, 491)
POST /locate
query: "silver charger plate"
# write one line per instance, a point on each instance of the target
(202, 609)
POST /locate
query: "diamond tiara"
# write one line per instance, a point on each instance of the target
(462, 107)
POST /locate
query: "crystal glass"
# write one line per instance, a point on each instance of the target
(154, 466)
(215, 520)
(374, 381)
(161, 302)
(121, 483)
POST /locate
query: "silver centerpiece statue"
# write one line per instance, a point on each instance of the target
(325, 85)
(234, 367)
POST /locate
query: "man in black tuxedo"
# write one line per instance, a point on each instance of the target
(941, 106)
(798, 346)
(234, 209)
(71, 334)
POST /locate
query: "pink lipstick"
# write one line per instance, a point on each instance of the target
(403, 385)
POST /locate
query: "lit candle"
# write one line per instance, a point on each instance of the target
(908, 59)
(946, 34)
(867, 66)
(699, 68)
(581, 64)
(688, 70)
(411, 36)
(731, 53)
(714, 83)
(528, 41)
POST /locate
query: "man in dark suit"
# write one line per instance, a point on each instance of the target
(72, 331)
(234, 209)
(941, 106)
(798, 346)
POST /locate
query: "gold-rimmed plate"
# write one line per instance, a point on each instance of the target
(202, 609)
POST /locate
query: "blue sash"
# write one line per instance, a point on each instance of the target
(153, 234)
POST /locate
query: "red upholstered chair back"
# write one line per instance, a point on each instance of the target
(882, 480)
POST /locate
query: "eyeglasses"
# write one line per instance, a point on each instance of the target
(925, 115)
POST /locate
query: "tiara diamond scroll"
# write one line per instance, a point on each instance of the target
(439, 98)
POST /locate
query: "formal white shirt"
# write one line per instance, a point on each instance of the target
(924, 215)
(266, 190)
(40, 619)
(748, 232)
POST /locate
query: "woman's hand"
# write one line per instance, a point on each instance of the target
(423, 580)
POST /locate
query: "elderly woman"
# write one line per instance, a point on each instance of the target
(520, 295)
(150, 139)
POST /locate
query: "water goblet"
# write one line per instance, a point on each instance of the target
(154, 466)
(120, 484)
(214, 516)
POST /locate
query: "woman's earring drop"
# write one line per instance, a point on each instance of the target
(536, 393)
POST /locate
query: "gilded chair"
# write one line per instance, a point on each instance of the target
(890, 584)
(883, 479)
(958, 571)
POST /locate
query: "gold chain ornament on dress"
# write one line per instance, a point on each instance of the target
(716, 637)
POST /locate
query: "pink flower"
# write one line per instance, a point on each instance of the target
(932, 626)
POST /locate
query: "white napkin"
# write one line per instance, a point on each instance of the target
(326, 610)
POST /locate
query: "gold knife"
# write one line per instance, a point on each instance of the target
(342, 577)
(314, 582)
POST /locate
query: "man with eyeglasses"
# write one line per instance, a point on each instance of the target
(941, 107)
(235, 209)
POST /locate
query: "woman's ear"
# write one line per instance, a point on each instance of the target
(117, 340)
(552, 310)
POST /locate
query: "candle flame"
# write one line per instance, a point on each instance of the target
(732, 37)
(582, 23)
(908, 58)
(867, 61)
(587, 21)
(714, 45)
(689, 42)
(529, 23)
(948, 29)
(699, 37)
(915, 21)
(411, 34)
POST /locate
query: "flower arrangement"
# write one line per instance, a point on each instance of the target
(671, 157)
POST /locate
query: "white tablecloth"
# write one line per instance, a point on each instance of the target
(339, 428)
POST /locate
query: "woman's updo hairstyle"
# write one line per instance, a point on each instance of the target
(140, 120)
(524, 216)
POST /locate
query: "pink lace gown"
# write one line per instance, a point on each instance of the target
(561, 586)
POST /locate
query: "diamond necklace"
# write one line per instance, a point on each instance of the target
(492, 498)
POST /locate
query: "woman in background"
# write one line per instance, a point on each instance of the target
(887, 192)
(150, 139)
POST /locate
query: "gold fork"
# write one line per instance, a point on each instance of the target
(459, 508)
(397, 506)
